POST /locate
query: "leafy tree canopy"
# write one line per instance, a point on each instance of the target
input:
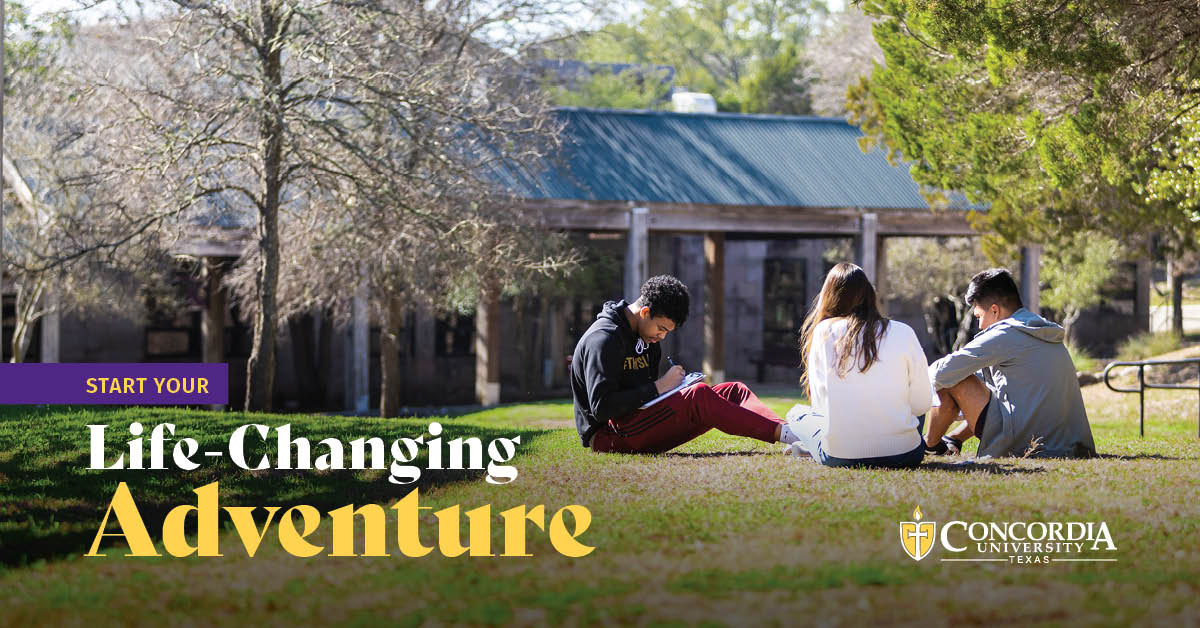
(1062, 116)
(640, 87)
(746, 54)
(30, 44)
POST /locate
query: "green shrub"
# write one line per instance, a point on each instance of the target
(1083, 360)
(1147, 345)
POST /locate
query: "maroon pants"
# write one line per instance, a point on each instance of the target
(729, 407)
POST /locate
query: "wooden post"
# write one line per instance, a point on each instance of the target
(212, 326)
(551, 346)
(424, 351)
(51, 325)
(1141, 299)
(714, 306)
(348, 367)
(637, 253)
(558, 342)
(390, 331)
(358, 399)
(1031, 278)
(881, 285)
(868, 241)
(487, 344)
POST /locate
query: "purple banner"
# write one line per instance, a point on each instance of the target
(146, 384)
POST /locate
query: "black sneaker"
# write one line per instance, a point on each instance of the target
(948, 446)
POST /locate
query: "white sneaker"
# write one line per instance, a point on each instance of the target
(787, 434)
(796, 450)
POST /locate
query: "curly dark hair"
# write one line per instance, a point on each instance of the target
(666, 296)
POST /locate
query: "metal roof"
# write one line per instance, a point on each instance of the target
(719, 159)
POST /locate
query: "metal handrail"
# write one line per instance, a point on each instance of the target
(1142, 386)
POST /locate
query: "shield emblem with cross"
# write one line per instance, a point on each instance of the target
(917, 536)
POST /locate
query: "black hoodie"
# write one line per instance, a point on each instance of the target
(612, 371)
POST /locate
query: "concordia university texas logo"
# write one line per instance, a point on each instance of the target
(1016, 542)
(917, 536)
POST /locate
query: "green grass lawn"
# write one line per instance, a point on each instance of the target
(721, 531)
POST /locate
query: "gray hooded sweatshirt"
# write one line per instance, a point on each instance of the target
(1035, 393)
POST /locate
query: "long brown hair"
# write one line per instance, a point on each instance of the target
(847, 293)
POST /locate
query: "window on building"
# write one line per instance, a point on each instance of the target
(455, 335)
(173, 313)
(176, 337)
(784, 303)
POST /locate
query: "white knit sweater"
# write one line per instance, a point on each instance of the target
(873, 413)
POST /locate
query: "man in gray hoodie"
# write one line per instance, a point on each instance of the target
(1014, 383)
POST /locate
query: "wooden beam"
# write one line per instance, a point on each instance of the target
(216, 242)
(210, 248)
(868, 241)
(714, 306)
(881, 274)
(924, 223)
(637, 252)
(693, 218)
(753, 222)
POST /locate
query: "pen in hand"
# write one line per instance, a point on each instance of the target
(674, 363)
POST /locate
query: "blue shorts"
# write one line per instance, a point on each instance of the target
(812, 438)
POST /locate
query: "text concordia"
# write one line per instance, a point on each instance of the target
(1020, 537)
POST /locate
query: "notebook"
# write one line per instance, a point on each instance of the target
(688, 380)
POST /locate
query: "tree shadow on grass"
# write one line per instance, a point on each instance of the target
(988, 467)
(51, 504)
(1138, 457)
(718, 454)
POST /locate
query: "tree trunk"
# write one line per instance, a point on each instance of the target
(934, 328)
(27, 316)
(1070, 316)
(940, 315)
(390, 333)
(1175, 277)
(964, 324)
(260, 370)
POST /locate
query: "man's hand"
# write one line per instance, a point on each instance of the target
(671, 379)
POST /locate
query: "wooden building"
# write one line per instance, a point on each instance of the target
(741, 207)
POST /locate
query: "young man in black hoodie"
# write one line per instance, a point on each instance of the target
(615, 370)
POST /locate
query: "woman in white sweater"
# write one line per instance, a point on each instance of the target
(866, 377)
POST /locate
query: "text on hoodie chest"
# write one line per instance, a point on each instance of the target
(636, 362)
